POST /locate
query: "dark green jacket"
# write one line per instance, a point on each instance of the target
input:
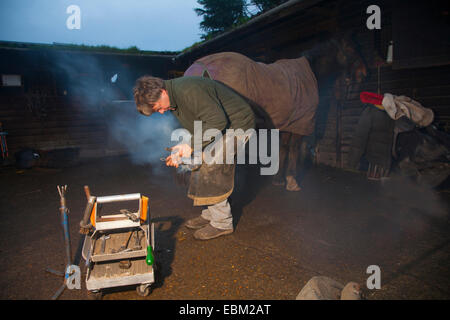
(217, 106)
(373, 138)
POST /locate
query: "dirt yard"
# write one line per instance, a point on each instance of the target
(337, 226)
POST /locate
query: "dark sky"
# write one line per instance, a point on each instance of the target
(148, 24)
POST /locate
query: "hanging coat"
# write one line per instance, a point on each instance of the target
(373, 138)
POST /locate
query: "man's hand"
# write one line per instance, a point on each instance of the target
(179, 151)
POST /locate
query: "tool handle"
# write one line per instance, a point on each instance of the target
(149, 259)
(65, 221)
(87, 192)
(85, 224)
(119, 198)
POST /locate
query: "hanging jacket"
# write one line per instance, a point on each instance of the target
(372, 138)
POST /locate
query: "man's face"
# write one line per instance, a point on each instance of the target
(163, 103)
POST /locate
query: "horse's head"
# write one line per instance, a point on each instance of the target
(350, 60)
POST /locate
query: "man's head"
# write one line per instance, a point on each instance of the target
(151, 95)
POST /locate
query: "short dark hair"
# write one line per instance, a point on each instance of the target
(146, 92)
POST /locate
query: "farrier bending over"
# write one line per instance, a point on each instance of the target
(217, 107)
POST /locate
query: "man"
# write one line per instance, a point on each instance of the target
(217, 107)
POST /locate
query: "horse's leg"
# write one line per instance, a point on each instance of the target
(291, 172)
(278, 179)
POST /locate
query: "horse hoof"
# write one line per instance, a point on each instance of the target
(297, 188)
(292, 184)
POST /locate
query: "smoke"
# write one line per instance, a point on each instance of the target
(413, 205)
(145, 138)
(100, 85)
(85, 79)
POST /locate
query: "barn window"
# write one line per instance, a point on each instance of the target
(11, 80)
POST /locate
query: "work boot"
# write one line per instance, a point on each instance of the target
(209, 232)
(196, 223)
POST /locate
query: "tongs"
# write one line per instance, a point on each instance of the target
(183, 166)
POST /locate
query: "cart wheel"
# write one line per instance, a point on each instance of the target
(143, 290)
(95, 295)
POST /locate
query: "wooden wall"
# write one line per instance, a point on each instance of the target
(286, 34)
(66, 124)
(68, 121)
(66, 116)
(430, 86)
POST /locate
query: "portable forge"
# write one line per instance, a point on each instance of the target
(118, 248)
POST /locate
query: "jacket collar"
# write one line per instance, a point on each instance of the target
(169, 87)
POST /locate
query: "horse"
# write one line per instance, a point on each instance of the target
(284, 94)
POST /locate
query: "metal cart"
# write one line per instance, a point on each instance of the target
(117, 250)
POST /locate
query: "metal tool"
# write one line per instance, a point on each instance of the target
(121, 250)
(130, 215)
(85, 225)
(106, 270)
(65, 224)
(104, 238)
(184, 166)
(137, 243)
(125, 264)
(88, 257)
(125, 246)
